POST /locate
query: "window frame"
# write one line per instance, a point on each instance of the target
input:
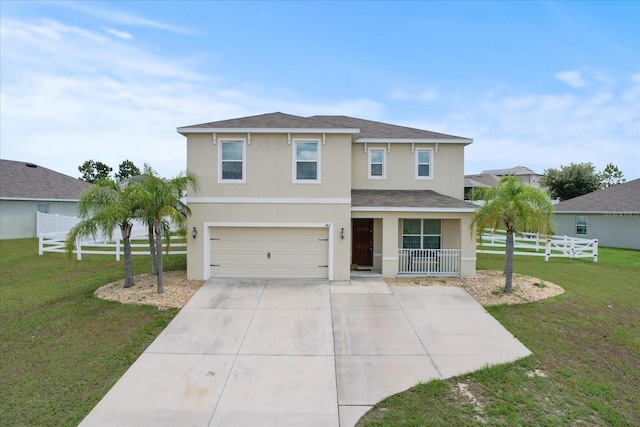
(581, 225)
(370, 163)
(222, 180)
(41, 206)
(417, 163)
(294, 161)
(422, 234)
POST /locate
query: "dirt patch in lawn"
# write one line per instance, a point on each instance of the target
(178, 290)
(488, 286)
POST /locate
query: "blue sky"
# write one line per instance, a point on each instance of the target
(538, 84)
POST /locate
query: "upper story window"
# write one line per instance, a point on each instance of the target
(377, 166)
(424, 163)
(581, 225)
(232, 164)
(306, 161)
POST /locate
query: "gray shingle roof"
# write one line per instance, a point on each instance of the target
(267, 121)
(619, 198)
(516, 170)
(19, 181)
(371, 129)
(406, 199)
(364, 129)
(484, 179)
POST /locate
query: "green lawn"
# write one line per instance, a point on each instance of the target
(586, 342)
(61, 349)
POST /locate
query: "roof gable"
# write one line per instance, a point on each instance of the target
(619, 198)
(22, 180)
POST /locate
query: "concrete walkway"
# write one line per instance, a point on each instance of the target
(301, 353)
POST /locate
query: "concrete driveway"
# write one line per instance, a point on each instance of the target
(301, 353)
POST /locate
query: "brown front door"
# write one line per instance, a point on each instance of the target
(362, 251)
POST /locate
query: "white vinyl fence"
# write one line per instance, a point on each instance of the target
(531, 244)
(53, 241)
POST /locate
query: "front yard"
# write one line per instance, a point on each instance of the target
(61, 349)
(585, 367)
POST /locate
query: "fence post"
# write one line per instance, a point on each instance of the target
(78, 249)
(595, 250)
(117, 249)
(547, 251)
(40, 244)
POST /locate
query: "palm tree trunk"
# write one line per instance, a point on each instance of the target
(152, 251)
(158, 233)
(128, 262)
(508, 262)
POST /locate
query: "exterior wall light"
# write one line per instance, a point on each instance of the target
(194, 233)
(342, 233)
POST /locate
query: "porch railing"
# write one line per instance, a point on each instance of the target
(429, 262)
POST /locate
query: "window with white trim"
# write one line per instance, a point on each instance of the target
(424, 163)
(306, 161)
(581, 225)
(231, 161)
(421, 233)
(377, 163)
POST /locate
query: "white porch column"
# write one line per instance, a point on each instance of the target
(390, 246)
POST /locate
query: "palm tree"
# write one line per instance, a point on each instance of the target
(105, 206)
(161, 206)
(516, 208)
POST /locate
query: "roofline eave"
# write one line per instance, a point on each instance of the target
(466, 141)
(188, 129)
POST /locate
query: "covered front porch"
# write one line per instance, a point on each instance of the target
(412, 240)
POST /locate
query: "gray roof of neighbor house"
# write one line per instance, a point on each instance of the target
(619, 198)
(516, 170)
(407, 199)
(481, 180)
(23, 180)
(364, 130)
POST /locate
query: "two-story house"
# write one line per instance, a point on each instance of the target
(315, 197)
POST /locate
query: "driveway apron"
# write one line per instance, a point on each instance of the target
(249, 352)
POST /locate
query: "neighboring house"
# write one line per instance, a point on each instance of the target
(491, 178)
(315, 197)
(27, 188)
(611, 215)
(524, 174)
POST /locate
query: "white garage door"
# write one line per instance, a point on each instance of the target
(269, 252)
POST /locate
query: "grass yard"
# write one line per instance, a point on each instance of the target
(61, 349)
(586, 343)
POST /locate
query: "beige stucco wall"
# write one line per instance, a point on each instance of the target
(447, 169)
(269, 163)
(456, 234)
(338, 215)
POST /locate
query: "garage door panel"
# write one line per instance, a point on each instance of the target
(294, 252)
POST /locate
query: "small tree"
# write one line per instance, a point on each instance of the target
(105, 206)
(611, 176)
(161, 205)
(571, 181)
(127, 169)
(514, 207)
(93, 171)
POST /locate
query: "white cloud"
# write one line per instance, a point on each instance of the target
(107, 12)
(120, 34)
(69, 94)
(572, 78)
